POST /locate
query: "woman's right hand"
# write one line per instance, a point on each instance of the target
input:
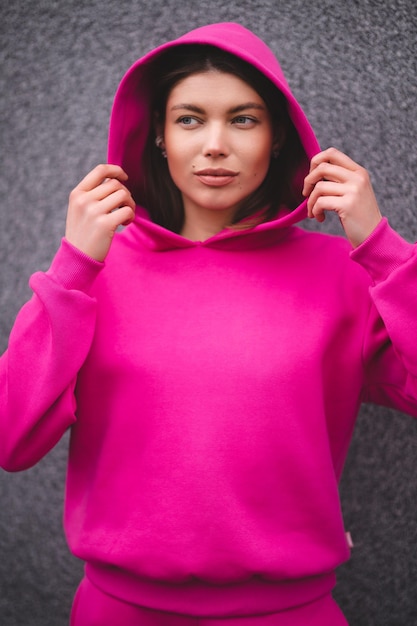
(97, 206)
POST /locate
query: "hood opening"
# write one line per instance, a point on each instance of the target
(131, 137)
(160, 196)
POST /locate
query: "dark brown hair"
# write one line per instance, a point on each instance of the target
(162, 198)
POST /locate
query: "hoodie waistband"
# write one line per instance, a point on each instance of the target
(201, 599)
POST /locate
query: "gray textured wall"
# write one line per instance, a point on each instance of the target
(352, 64)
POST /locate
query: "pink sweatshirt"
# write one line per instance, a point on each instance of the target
(211, 387)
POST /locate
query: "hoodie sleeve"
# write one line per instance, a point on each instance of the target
(48, 344)
(390, 353)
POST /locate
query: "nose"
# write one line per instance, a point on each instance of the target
(215, 141)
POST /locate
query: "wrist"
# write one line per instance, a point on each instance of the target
(72, 268)
(382, 252)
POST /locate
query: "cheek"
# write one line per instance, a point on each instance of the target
(261, 163)
(179, 165)
(258, 160)
(179, 153)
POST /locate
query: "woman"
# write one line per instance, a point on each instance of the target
(211, 358)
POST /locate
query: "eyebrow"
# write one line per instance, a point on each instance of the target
(237, 109)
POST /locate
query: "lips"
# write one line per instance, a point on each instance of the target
(216, 177)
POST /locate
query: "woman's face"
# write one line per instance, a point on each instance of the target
(218, 137)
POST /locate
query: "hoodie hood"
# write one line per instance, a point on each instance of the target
(131, 117)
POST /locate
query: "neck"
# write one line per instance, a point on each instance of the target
(205, 225)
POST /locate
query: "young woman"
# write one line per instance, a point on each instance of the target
(211, 357)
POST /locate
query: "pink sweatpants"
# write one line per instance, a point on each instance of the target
(92, 607)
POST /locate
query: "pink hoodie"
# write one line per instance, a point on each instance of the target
(211, 387)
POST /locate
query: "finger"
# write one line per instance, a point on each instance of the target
(106, 188)
(324, 204)
(325, 172)
(328, 171)
(122, 216)
(99, 174)
(323, 188)
(334, 156)
(115, 200)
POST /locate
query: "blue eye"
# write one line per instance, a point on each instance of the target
(187, 120)
(244, 120)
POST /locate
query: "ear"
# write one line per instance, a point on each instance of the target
(279, 138)
(158, 125)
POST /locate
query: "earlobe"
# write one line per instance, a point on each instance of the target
(159, 142)
(159, 132)
(275, 151)
(158, 125)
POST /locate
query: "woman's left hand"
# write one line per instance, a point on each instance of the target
(336, 183)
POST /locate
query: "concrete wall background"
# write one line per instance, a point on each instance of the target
(352, 64)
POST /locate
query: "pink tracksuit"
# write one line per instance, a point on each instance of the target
(211, 389)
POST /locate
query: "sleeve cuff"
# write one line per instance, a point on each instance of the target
(383, 252)
(73, 269)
